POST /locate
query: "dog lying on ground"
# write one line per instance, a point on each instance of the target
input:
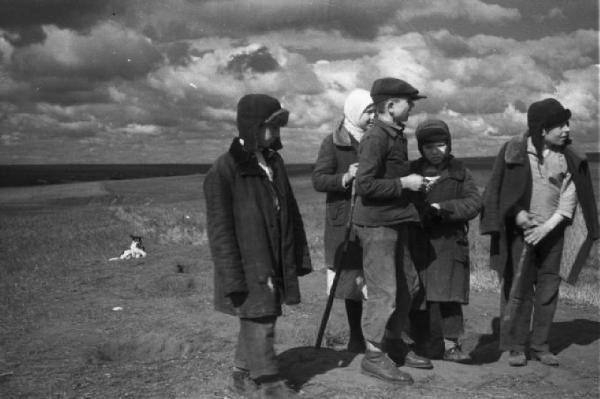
(136, 250)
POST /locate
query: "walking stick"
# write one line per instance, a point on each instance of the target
(516, 290)
(338, 269)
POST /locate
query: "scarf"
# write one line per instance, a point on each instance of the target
(356, 103)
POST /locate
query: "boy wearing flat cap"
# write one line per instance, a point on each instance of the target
(540, 192)
(382, 212)
(257, 241)
(440, 246)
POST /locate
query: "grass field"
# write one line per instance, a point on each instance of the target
(62, 334)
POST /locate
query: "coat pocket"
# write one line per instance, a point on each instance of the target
(336, 213)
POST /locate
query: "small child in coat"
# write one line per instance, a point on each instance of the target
(439, 246)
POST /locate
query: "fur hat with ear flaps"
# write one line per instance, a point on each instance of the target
(432, 131)
(544, 114)
(255, 111)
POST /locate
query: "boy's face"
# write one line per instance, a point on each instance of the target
(557, 136)
(435, 153)
(266, 135)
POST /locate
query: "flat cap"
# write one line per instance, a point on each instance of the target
(386, 88)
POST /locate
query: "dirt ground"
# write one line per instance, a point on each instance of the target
(74, 325)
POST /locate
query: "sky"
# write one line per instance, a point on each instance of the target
(154, 81)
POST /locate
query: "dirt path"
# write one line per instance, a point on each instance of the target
(575, 337)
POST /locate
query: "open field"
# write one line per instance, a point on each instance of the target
(62, 337)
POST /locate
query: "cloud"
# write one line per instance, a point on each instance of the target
(475, 11)
(108, 51)
(554, 13)
(26, 18)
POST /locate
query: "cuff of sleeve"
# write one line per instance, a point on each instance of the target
(399, 187)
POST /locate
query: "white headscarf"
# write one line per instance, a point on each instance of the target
(357, 101)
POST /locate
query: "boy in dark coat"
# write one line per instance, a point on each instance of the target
(538, 186)
(334, 174)
(440, 247)
(257, 241)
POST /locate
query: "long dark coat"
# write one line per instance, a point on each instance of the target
(441, 252)
(337, 152)
(509, 190)
(248, 243)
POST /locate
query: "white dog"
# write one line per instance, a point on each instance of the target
(136, 250)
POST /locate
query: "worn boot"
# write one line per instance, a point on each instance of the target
(403, 355)
(517, 359)
(379, 365)
(547, 358)
(241, 383)
(455, 354)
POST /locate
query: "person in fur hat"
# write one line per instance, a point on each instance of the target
(257, 241)
(539, 184)
(440, 246)
(334, 173)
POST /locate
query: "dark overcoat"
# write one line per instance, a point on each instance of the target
(250, 240)
(337, 152)
(441, 251)
(509, 191)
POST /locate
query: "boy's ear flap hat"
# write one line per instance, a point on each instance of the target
(545, 114)
(255, 111)
(433, 131)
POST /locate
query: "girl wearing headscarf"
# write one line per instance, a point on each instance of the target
(334, 174)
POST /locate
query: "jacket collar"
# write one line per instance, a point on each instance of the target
(516, 152)
(342, 138)
(391, 130)
(246, 161)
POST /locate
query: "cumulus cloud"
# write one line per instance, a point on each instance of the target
(26, 18)
(108, 51)
(475, 11)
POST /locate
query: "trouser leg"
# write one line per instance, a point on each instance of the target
(546, 289)
(256, 351)
(379, 264)
(514, 336)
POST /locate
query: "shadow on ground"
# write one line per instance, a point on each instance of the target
(562, 335)
(299, 365)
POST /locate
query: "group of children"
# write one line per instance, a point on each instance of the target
(404, 268)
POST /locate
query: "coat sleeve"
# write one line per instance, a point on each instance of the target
(467, 206)
(221, 231)
(490, 218)
(371, 158)
(301, 251)
(324, 176)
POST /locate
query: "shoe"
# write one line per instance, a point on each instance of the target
(455, 354)
(546, 358)
(517, 359)
(274, 390)
(402, 355)
(241, 383)
(419, 362)
(379, 365)
(356, 345)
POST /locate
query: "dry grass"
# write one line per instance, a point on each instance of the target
(61, 338)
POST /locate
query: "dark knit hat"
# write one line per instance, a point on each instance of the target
(386, 88)
(433, 131)
(254, 111)
(545, 114)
